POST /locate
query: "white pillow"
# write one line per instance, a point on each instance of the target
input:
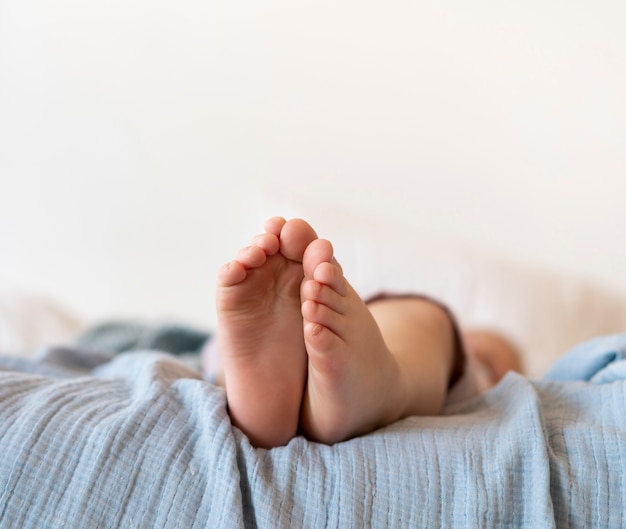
(543, 312)
(29, 321)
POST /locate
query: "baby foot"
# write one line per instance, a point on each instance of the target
(260, 336)
(352, 385)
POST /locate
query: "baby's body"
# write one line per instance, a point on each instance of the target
(303, 353)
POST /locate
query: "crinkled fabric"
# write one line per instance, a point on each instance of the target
(142, 441)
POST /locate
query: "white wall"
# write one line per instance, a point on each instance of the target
(136, 136)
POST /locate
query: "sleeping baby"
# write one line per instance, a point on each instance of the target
(301, 353)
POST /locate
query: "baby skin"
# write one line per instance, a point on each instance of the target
(303, 353)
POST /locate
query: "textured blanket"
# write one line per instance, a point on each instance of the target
(141, 441)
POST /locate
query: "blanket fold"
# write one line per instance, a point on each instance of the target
(142, 441)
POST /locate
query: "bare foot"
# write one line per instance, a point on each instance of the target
(260, 336)
(353, 379)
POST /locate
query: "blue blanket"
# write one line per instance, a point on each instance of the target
(141, 441)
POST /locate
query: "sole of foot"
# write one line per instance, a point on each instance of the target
(260, 335)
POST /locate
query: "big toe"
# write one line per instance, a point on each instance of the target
(295, 236)
(318, 252)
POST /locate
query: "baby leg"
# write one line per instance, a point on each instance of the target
(368, 366)
(260, 338)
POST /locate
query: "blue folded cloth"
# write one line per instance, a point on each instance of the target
(591, 359)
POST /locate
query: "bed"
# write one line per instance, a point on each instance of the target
(137, 438)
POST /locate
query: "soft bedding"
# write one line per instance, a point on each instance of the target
(143, 441)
